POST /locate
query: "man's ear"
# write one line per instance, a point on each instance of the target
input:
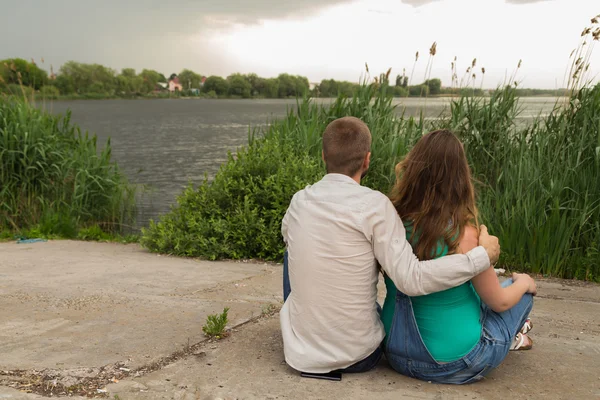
(367, 161)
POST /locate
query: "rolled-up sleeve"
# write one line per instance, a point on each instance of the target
(386, 232)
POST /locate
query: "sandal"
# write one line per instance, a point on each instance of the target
(527, 326)
(521, 342)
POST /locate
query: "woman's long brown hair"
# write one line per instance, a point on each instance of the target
(434, 191)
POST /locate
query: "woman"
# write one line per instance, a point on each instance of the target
(461, 334)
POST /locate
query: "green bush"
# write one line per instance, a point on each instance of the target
(53, 177)
(238, 214)
(49, 92)
(538, 185)
(19, 91)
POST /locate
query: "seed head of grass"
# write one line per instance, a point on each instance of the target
(586, 31)
(519, 65)
(433, 49)
(417, 56)
(474, 62)
(483, 70)
(367, 67)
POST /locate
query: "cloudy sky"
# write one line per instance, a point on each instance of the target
(316, 38)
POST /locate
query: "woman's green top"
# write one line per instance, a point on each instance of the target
(448, 321)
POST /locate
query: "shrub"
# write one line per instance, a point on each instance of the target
(49, 92)
(20, 91)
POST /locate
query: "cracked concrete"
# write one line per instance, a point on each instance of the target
(67, 304)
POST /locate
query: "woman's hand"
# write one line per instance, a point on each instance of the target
(532, 287)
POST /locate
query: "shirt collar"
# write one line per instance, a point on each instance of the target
(340, 178)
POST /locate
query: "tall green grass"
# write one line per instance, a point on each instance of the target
(538, 184)
(54, 179)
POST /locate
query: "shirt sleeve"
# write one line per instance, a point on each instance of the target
(284, 226)
(383, 227)
(285, 221)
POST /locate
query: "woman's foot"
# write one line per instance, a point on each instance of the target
(527, 326)
(521, 342)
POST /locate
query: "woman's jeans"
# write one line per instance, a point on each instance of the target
(408, 355)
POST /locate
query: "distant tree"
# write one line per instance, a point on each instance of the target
(18, 71)
(239, 86)
(405, 82)
(190, 79)
(302, 85)
(287, 85)
(400, 91)
(86, 78)
(419, 90)
(150, 78)
(130, 83)
(172, 76)
(435, 86)
(398, 80)
(290, 85)
(259, 85)
(49, 91)
(217, 84)
(332, 88)
(128, 72)
(271, 88)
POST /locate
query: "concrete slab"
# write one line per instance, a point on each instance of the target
(564, 364)
(69, 304)
(76, 307)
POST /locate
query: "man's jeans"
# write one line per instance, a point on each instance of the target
(362, 366)
(408, 355)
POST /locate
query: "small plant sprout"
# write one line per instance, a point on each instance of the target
(215, 325)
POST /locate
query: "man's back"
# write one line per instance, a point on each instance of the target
(330, 320)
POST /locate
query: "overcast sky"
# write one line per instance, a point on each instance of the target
(316, 38)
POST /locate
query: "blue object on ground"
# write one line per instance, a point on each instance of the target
(31, 240)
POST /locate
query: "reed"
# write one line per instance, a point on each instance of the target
(54, 179)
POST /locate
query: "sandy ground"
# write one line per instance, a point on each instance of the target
(74, 309)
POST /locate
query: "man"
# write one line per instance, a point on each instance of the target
(336, 231)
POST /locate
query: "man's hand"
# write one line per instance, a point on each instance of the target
(490, 244)
(532, 287)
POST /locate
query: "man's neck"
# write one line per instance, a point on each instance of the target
(357, 177)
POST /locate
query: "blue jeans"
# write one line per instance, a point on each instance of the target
(408, 355)
(362, 366)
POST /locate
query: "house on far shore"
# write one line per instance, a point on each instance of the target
(175, 85)
(161, 87)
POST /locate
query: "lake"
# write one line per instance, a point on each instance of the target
(164, 144)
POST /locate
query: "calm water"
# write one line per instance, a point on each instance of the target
(164, 144)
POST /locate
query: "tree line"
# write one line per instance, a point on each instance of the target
(76, 78)
(98, 81)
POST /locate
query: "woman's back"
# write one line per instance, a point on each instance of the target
(448, 321)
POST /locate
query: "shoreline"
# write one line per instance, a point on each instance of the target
(71, 98)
